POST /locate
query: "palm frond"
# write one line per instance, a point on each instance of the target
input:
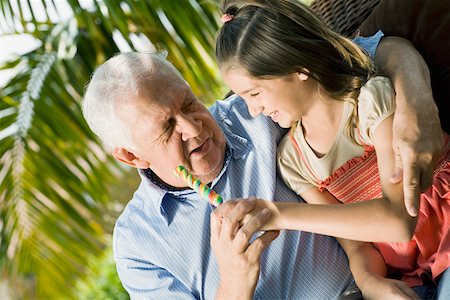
(59, 190)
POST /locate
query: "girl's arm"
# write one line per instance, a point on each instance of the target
(369, 271)
(365, 261)
(367, 265)
(378, 220)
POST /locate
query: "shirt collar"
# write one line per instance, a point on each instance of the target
(239, 145)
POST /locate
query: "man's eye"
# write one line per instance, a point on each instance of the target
(254, 95)
(168, 131)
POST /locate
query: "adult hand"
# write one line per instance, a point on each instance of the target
(417, 135)
(377, 287)
(417, 142)
(238, 259)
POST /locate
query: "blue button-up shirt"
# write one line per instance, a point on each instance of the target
(162, 238)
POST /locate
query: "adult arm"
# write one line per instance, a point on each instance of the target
(426, 24)
(417, 137)
(238, 259)
(143, 280)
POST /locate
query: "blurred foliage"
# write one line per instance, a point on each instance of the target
(101, 281)
(58, 187)
(60, 191)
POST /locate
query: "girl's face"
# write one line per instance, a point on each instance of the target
(285, 99)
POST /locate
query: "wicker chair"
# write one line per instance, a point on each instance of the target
(343, 16)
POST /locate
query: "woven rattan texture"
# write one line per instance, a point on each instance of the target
(343, 16)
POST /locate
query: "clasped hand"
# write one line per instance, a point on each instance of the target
(237, 257)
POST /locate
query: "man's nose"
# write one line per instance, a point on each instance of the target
(189, 126)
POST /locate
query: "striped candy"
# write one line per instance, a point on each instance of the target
(198, 186)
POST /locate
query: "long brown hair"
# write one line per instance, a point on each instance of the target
(272, 38)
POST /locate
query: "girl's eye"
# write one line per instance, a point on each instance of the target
(191, 106)
(254, 95)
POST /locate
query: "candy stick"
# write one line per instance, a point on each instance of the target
(198, 186)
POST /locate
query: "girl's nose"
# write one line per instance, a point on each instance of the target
(255, 110)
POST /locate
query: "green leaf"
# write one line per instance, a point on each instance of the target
(60, 191)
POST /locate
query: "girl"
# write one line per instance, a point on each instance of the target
(286, 64)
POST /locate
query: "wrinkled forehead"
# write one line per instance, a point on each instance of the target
(162, 90)
(156, 103)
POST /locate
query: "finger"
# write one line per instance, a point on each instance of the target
(405, 289)
(411, 188)
(426, 179)
(253, 225)
(231, 221)
(397, 176)
(256, 248)
(218, 214)
(215, 224)
(226, 207)
(428, 164)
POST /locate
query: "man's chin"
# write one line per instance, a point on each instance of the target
(207, 173)
(209, 166)
(208, 177)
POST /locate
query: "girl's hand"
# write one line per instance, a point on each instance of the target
(274, 222)
(377, 287)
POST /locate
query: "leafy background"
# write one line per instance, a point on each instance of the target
(60, 191)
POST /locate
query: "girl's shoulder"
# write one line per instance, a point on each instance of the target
(376, 101)
(377, 94)
(377, 88)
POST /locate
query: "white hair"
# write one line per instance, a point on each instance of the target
(118, 80)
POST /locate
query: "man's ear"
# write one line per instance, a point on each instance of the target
(130, 159)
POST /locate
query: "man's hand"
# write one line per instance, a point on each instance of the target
(377, 287)
(417, 142)
(237, 258)
(417, 134)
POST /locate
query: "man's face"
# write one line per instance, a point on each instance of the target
(171, 127)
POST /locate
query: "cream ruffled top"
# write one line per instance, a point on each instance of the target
(375, 103)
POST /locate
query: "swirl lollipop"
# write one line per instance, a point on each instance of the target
(201, 188)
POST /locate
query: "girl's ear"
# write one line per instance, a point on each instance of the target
(130, 158)
(303, 74)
